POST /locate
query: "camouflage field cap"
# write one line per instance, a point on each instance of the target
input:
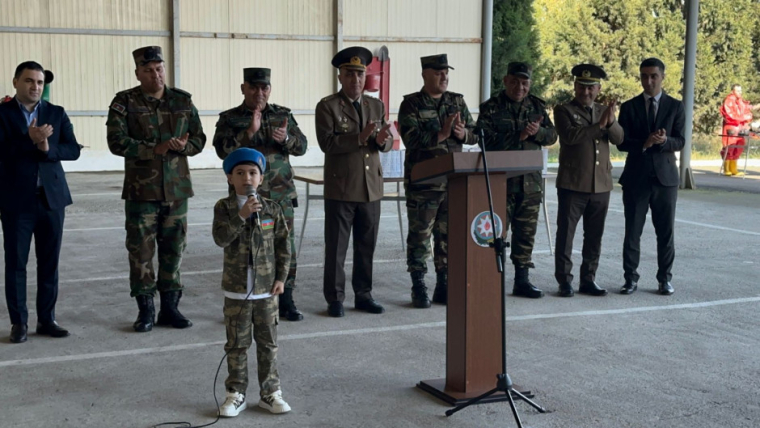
(436, 62)
(353, 58)
(257, 75)
(241, 155)
(148, 54)
(519, 69)
(588, 74)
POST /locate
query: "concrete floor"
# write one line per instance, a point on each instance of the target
(688, 360)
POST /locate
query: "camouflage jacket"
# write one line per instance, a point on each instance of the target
(136, 123)
(502, 121)
(266, 248)
(420, 117)
(231, 134)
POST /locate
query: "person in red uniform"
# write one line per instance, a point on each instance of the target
(737, 114)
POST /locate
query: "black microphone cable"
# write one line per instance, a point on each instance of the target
(219, 367)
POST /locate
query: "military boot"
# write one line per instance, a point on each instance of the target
(288, 308)
(169, 314)
(523, 287)
(147, 314)
(440, 295)
(420, 297)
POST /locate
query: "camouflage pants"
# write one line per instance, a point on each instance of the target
(243, 319)
(149, 223)
(428, 213)
(523, 210)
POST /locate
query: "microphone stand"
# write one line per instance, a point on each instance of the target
(499, 244)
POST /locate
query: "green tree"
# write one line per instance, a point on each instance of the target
(514, 38)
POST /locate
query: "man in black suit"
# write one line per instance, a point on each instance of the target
(654, 130)
(35, 136)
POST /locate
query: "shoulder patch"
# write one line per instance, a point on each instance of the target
(118, 108)
(181, 92)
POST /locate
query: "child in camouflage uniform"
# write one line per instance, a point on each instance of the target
(254, 236)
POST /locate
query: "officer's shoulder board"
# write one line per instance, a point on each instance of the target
(329, 98)
(412, 96)
(455, 95)
(181, 92)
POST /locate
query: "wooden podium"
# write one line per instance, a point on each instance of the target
(474, 328)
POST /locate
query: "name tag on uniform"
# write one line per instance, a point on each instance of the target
(267, 224)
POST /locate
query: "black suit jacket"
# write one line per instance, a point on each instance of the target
(21, 161)
(633, 119)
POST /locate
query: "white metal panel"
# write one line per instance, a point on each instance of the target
(301, 71)
(24, 13)
(87, 81)
(204, 16)
(205, 69)
(311, 17)
(406, 71)
(111, 14)
(418, 18)
(17, 48)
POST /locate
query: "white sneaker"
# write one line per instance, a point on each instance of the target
(274, 403)
(233, 405)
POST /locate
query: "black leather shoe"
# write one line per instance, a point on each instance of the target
(335, 310)
(369, 305)
(629, 287)
(18, 333)
(52, 329)
(566, 290)
(592, 289)
(666, 289)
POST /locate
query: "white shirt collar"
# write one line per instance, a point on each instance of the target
(656, 98)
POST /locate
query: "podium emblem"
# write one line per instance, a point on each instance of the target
(482, 229)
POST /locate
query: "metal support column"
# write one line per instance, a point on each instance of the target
(485, 66)
(690, 61)
(175, 44)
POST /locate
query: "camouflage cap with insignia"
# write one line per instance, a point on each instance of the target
(519, 69)
(257, 75)
(353, 58)
(436, 62)
(147, 55)
(588, 74)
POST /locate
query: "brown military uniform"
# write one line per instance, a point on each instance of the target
(353, 189)
(584, 182)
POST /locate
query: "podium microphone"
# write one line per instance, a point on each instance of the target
(251, 191)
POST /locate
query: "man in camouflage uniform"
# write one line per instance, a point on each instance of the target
(516, 120)
(433, 122)
(272, 130)
(256, 260)
(155, 129)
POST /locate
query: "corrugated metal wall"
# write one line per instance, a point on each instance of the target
(218, 38)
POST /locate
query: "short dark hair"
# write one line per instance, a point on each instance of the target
(28, 65)
(653, 62)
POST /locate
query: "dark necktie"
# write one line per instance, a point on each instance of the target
(651, 114)
(358, 108)
(588, 110)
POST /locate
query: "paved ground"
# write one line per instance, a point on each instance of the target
(689, 360)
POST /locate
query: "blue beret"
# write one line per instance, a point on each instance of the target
(244, 154)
